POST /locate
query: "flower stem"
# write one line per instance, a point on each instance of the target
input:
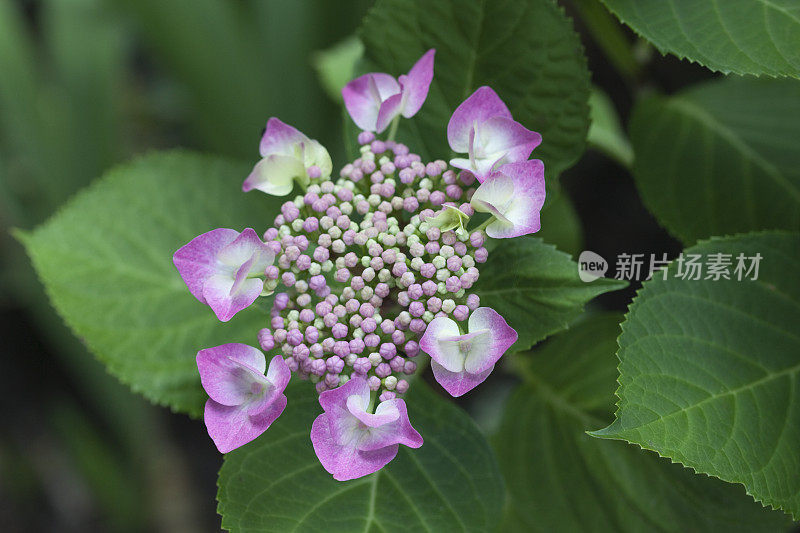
(393, 128)
(485, 223)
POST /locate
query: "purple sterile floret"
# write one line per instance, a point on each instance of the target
(243, 402)
(482, 128)
(514, 195)
(352, 442)
(461, 362)
(375, 99)
(222, 269)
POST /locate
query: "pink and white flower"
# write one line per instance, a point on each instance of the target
(482, 127)
(243, 402)
(514, 195)
(461, 362)
(287, 155)
(222, 269)
(375, 99)
(351, 442)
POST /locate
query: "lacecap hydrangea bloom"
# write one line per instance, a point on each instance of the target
(369, 272)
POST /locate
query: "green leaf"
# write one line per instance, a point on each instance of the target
(561, 226)
(536, 288)
(610, 35)
(560, 479)
(277, 484)
(709, 370)
(606, 133)
(720, 158)
(525, 50)
(106, 262)
(335, 65)
(739, 36)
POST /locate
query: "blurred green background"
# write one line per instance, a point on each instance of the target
(84, 85)
(87, 84)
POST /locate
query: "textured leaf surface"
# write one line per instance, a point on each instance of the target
(536, 288)
(721, 158)
(560, 479)
(106, 262)
(276, 484)
(525, 50)
(740, 36)
(709, 371)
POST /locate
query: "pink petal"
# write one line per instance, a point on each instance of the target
(357, 408)
(440, 342)
(363, 97)
(233, 426)
(278, 374)
(522, 218)
(507, 136)
(416, 84)
(515, 195)
(196, 261)
(217, 292)
(274, 385)
(389, 109)
(458, 383)
(337, 398)
(247, 246)
(399, 431)
(479, 106)
(502, 336)
(346, 462)
(227, 372)
(275, 174)
(494, 194)
(280, 138)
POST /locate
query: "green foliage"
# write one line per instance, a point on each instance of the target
(561, 226)
(525, 50)
(720, 158)
(335, 66)
(560, 479)
(536, 288)
(606, 133)
(238, 63)
(739, 36)
(63, 134)
(451, 483)
(608, 33)
(709, 371)
(105, 260)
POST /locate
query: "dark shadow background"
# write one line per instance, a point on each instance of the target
(86, 84)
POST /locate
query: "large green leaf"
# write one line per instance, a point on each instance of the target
(709, 370)
(525, 50)
(560, 479)
(536, 288)
(740, 36)
(451, 483)
(720, 158)
(106, 263)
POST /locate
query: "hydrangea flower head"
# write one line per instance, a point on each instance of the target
(371, 270)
